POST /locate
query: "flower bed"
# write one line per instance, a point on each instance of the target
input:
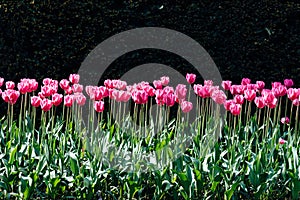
(248, 151)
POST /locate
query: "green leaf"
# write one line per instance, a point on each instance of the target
(12, 155)
(74, 165)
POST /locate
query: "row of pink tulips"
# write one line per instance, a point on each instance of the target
(119, 91)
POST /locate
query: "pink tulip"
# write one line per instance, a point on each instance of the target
(293, 93)
(259, 102)
(245, 81)
(273, 103)
(139, 96)
(157, 84)
(168, 90)
(10, 85)
(279, 91)
(121, 96)
(208, 82)
(68, 100)
(46, 104)
(64, 84)
(159, 97)
(282, 141)
(204, 91)
(118, 84)
(10, 96)
(296, 102)
(235, 109)
(237, 89)
(238, 99)
(80, 99)
(226, 85)
(23, 87)
(190, 78)
(218, 96)
(260, 85)
(186, 106)
(169, 99)
(77, 88)
(90, 89)
(1, 81)
(251, 87)
(47, 81)
(165, 80)
(227, 104)
(57, 99)
(108, 84)
(150, 90)
(99, 106)
(69, 90)
(41, 95)
(124, 96)
(33, 85)
(180, 91)
(276, 84)
(249, 94)
(47, 91)
(268, 97)
(288, 83)
(36, 101)
(285, 120)
(74, 78)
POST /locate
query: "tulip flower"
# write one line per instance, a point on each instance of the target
(218, 96)
(180, 91)
(245, 81)
(285, 120)
(10, 85)
(99, 106)
(190, 78)
(165, 80)
(235, 109)
(36, 101)
(186, 106)
(226, 85)
(282, 141)
(1, 81)
(68, 100)
(57, 99)
(157, 84)
(288, 83)
(74, 78)
(46, 105)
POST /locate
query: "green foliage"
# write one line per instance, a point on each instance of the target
(56, 164)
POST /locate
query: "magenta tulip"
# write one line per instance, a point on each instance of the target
(190, 78)
(99, 106)
(46, 105)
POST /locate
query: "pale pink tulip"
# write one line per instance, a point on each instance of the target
(165, 80)
(218, 96)
(186, 106)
